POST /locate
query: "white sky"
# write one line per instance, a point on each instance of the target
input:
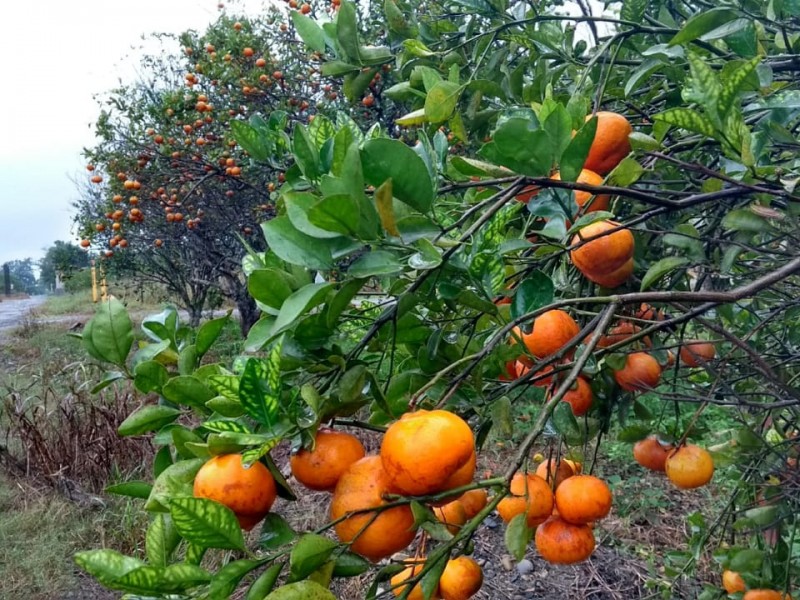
(56, 55)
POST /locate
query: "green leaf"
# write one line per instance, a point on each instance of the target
(688, 119)
(743, 219)
(295, 247)
(206, 523)
(642, 141)
(109, 377)
(209, 332)
(155, 580)
(575, 154)
(228, 577)
(430, 580)
(298, 304)
(111, 332)
(269, 286)
(258, 397)
(558, 126)
(633, 10)
(305, 152)
(384, 159)
(748, 560)
(309, 553)
(661, 268)
(173, 482)
(132, 489)
(150, 376)
(733, 85)
(188, 390)
(349, 564)
(441, 101)
(336, 68)
(309, 31)
(517, 536)
(702, 87)
(302, 590)
(535, 291)
(626, 173)
(523, 147)
(377, 262)
(701, 23)
(347, 31)
(565, 423)
(633, 433)
(161, 540)
(147, 418)
(264, 584)
(340, 214)
(275, 532)
(253, 141)
(107, 566)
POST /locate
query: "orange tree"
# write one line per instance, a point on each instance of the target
(171, 194)
(499, 285)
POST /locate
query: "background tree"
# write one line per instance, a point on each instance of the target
(62, 258)
(22, 277)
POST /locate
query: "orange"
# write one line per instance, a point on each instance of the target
(583, 499)
(579, 397)
(461, 477)
(606, 260)
(610, 144)
(248, 492)
(361, 487)
(651, 454)
(647, 313)
(620, 333)
(453, 515)
(689, 467)
(695, 353)
(582, 198)
(529, 494)
(551, 331)
(563, 543)
(640, 373)
(400, 578)
(761, 594)
(555, 473)
(422, 450)
(538, 379)
(333, 453)
(474, 501)
(461, 579)
(732, 582)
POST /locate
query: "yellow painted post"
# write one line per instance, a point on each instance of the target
(94, 283)
(103, 286)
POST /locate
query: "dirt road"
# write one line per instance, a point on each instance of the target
(13, 311)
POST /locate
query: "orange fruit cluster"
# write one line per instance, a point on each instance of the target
(461, 579)
(687, 467)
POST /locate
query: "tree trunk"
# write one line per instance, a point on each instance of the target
(248, 312)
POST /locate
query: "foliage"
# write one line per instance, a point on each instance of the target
(497, 98)
(63, 258)
(22, 277)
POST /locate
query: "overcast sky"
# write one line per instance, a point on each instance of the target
(56, 55)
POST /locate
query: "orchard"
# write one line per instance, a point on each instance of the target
(546, 232)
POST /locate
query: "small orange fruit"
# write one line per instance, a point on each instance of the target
(579, 397)
(640, 373)
(651, 454)
(320, 468)
(555, 472)
(762, 594)
(474, 501)
(583, 499)
(361, 487)
(606, 260)
(422, 450)
(611, 143)
(529, 494)
(248, 492)
(564, 543)
(397, 581)
(732, 582)
(453, 515)
(695, 353)
(620, 333)
(582, 198)
(539, 378)
(689, 467)
(551, 331)
(461, 579)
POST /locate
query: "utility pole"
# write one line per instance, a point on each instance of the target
(7, 278)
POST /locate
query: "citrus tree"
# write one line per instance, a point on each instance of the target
(595, 219)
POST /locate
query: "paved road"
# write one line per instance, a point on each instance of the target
(13, 311)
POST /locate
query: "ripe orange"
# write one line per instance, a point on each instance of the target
(463, 476)
(85, 243)
(248, 52)
(762, 594)
(474, 501)
(461, 579)
(422, 450)
(651, 454)
(96, 179)
(689, 467)
(611, 143)
(538, 378)
(732, 582)
(606, 260)
(305, 8)
(362, 486)
(531, 495)
(453, 515)
(620, 333)
(397, 581)
(583, 499)
(551, 331)
(579, 397)
(320, 468)
(260, 62)
(563, 543)
(555, 472)
(695, 353)
(640, 373)
(582, 198)
(249, 493)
